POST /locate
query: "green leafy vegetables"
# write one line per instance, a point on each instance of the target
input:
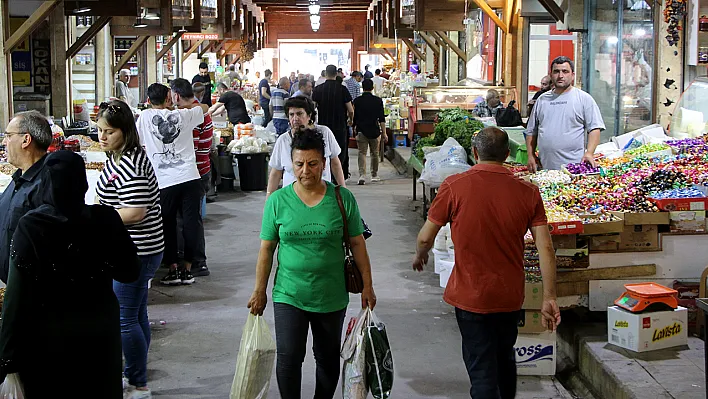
(456, 123)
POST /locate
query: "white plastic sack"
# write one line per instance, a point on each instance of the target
(450, 159)
(11, 388)
(354, 354)
(256, 357)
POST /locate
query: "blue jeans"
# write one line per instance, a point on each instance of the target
(488, 351)
(134, 324)
(281, 125)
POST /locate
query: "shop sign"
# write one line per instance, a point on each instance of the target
(21, 58)
(201, 36)
(621, 324)
(41, 66)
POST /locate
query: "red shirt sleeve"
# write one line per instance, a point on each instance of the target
(443, 206)
(539, 217)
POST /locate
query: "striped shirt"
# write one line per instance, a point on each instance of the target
(332, 98)
(203, 138)
(277, 100)
(353, 87)
(132, 184)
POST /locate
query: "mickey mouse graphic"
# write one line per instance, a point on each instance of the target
(167, 131)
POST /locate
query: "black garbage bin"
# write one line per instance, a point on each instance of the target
(253, 171)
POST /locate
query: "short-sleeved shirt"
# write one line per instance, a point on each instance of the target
(561, 121)
(368, 113)
(483, 110)
(331, 98)
(354, 87)
(167, 137)
(203, 137)
(235, 107)
(488, 233)
(378, 84)
(310, 274)
(131, 183)
(277, 100)
(263, 83)
(208, 86)
(281, 158)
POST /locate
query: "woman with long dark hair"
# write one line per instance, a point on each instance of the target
(60, 318)
(129, 185)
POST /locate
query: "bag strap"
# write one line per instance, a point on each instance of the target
(347, 241)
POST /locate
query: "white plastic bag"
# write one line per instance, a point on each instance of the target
(450, 159)
(11, 388)
(256, 357)
(354, 354)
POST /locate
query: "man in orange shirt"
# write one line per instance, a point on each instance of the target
(490, 211)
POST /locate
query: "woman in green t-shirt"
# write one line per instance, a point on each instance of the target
(304, 221)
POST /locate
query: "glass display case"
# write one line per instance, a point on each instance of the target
(430, 100)
(691, 112)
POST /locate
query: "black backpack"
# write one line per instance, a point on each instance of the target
(509, 116)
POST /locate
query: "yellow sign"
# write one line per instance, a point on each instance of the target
(666, 332)
(621, 324)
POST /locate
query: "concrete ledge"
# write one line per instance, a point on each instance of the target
(399, 159)
(613, 372)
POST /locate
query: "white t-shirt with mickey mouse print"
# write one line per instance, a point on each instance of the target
(167, 138)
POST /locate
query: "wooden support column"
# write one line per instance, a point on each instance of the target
(87, 36)
(61, 69)
(37, 17)
(430, 42)
(491, 14)
(192, 49)
(151, 58)
(5, 75)
(130, 53)
(414, 49)
(104, 65)
(205, 48)
(452, 45)
(168, 46)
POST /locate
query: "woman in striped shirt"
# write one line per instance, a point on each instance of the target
(128, 184)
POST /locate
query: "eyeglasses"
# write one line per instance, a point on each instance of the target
(10, 134)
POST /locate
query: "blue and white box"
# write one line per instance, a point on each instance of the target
(536, 353)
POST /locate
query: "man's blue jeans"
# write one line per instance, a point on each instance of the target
(488, 351)
(134, 324)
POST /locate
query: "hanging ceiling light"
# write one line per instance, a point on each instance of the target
(139, 23)
(314, 7)
(314, 19)
(81, 9)
(315, 26)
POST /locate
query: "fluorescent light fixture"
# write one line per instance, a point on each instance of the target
(314, 7)
(139, 23)
(612, 40)
(315, 19)
(81, 10)
(639, 32)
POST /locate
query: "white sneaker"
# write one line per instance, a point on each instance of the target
(362, 180)
(137, 394)
(375, 179)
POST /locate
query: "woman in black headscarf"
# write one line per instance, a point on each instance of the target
(60, 321)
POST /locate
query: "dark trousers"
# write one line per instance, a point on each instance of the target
(291, 327)
(342, 137)
(488, 350)
(184, 199)
(266, 113)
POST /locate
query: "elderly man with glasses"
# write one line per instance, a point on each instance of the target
(27, 138)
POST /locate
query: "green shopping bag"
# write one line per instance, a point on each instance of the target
(379, 361)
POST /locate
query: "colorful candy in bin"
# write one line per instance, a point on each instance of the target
(582, 168)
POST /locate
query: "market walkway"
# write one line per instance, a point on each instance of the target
(194, 353)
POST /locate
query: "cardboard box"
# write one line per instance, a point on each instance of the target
(601, 228)
(568, 241)
(633, 219)
(605, 243)
(642, 332)
(531, 322)
(561, 228)
(681, 204)
(640, 238)
(533, 296)
(688, 221)
(536, 354)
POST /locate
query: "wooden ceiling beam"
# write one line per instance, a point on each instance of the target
(492, 15)
(413, 48)
(452, 45)
(430, 42)
(192, 49)
(169, 45)
(205, 49)
(30, 24)
(87, 36)
(130, 53)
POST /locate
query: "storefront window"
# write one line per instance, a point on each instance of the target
(620, 66)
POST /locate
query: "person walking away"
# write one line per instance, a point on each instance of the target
(378, 82)
(322, 78)
(309, 291)
(60, 316)
(487, 283)
(560, 120)
(302, 115)
(335, 110)
(167, 137)
(370, 126)
(123, 92)
(367, 72)
(203, 140)
(490, 107)
(277, 106)
(304, 89)
(264, 97)
(233, 103)
(354, 84)
(27, 137)
(128, 184)
(205, 78)
(545, 86)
